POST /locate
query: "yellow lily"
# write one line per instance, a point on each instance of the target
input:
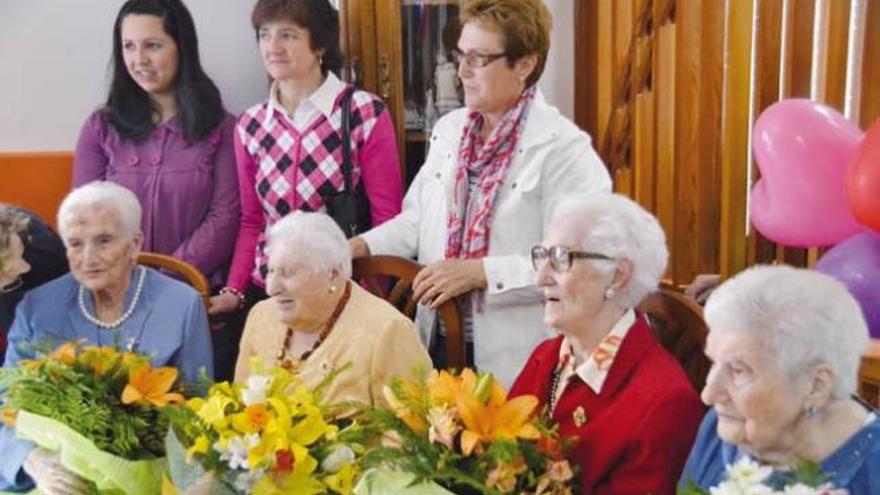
(342, 481)
(151, 385)
(213, 411)
(100, 359)
(200, 446)
(413, 418)
(7, 416)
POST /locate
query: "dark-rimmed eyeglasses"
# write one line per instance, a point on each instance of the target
(475, 60)
(561, 257)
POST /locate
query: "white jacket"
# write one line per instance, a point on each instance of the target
(553, 159)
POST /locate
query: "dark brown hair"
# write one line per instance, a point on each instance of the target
(317, 17)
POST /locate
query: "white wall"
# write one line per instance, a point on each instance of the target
(54, 64)
(54, 58)
(557, 82)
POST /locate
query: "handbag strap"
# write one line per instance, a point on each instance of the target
(345, 105)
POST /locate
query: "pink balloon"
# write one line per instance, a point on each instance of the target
(803, 150)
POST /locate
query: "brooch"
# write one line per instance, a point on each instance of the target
(579, 416)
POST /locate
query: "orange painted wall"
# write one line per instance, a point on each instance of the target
(36, 181)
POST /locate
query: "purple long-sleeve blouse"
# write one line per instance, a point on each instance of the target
(188, 191)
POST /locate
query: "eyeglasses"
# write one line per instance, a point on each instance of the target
(561, 257)
(475, 60)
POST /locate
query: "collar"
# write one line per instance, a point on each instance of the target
(594, 370)
(322, 99)
(172, 124)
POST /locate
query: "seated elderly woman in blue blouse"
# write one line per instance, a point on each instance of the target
(106, 300)
(786, 344)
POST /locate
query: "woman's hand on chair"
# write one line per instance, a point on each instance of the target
(441, 281)
(702, 286)
(223, 304)
(359, 247)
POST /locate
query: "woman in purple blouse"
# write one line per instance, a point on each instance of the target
(164, 134)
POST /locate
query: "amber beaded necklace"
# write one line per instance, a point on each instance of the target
(285, 362)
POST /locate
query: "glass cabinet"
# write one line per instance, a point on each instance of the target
(400, 50)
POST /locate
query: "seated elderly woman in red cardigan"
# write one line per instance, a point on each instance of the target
(605, 380)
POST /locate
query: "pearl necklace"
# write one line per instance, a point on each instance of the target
(121, 319)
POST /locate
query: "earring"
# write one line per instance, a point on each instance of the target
(332, 289)
(321, 60)
(609, 293)
(811, 411)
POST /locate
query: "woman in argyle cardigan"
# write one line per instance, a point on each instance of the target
(288, 148)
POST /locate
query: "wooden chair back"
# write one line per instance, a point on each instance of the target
(391, 278)
(187, 272)
(869, 375)
(679, 327)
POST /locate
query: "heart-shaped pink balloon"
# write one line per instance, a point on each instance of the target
(803, 149)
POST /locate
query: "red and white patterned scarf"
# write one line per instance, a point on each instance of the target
(470, 214)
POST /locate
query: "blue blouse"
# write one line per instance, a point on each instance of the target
(169, 324)
(855, 466)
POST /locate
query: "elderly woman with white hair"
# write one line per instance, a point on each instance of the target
(318, 321)
(105, 300)
(605, 380)
(786, 344)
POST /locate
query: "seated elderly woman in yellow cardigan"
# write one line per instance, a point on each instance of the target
(317, 320)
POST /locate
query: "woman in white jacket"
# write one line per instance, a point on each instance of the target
(494, 173)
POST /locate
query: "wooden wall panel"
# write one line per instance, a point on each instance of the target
(664, 85)
(697, 138)
(735, 128)
(644, 151)
(870, 107)
(586, 66)
(769, 67)
(604, 100)
(835, 56)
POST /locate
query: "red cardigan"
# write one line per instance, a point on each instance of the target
(639, 429)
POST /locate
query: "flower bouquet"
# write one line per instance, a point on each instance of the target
(99, 408)
(747, 477)
(459, 434)
(268, 436)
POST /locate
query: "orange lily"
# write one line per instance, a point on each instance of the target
(494, 417)
(66, 353)
(151, 385)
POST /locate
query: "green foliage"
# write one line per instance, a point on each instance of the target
(89, 403)
(691, 488)
(406, 451)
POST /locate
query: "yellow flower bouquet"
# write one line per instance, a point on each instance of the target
(460, 434)
(270, 435)
(99, 408)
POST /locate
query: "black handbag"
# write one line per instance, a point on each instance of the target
(349, 207)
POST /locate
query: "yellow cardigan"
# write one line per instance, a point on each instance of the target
(376, 341)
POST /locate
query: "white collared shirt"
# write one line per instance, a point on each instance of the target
(594, 370)
(319, 102)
